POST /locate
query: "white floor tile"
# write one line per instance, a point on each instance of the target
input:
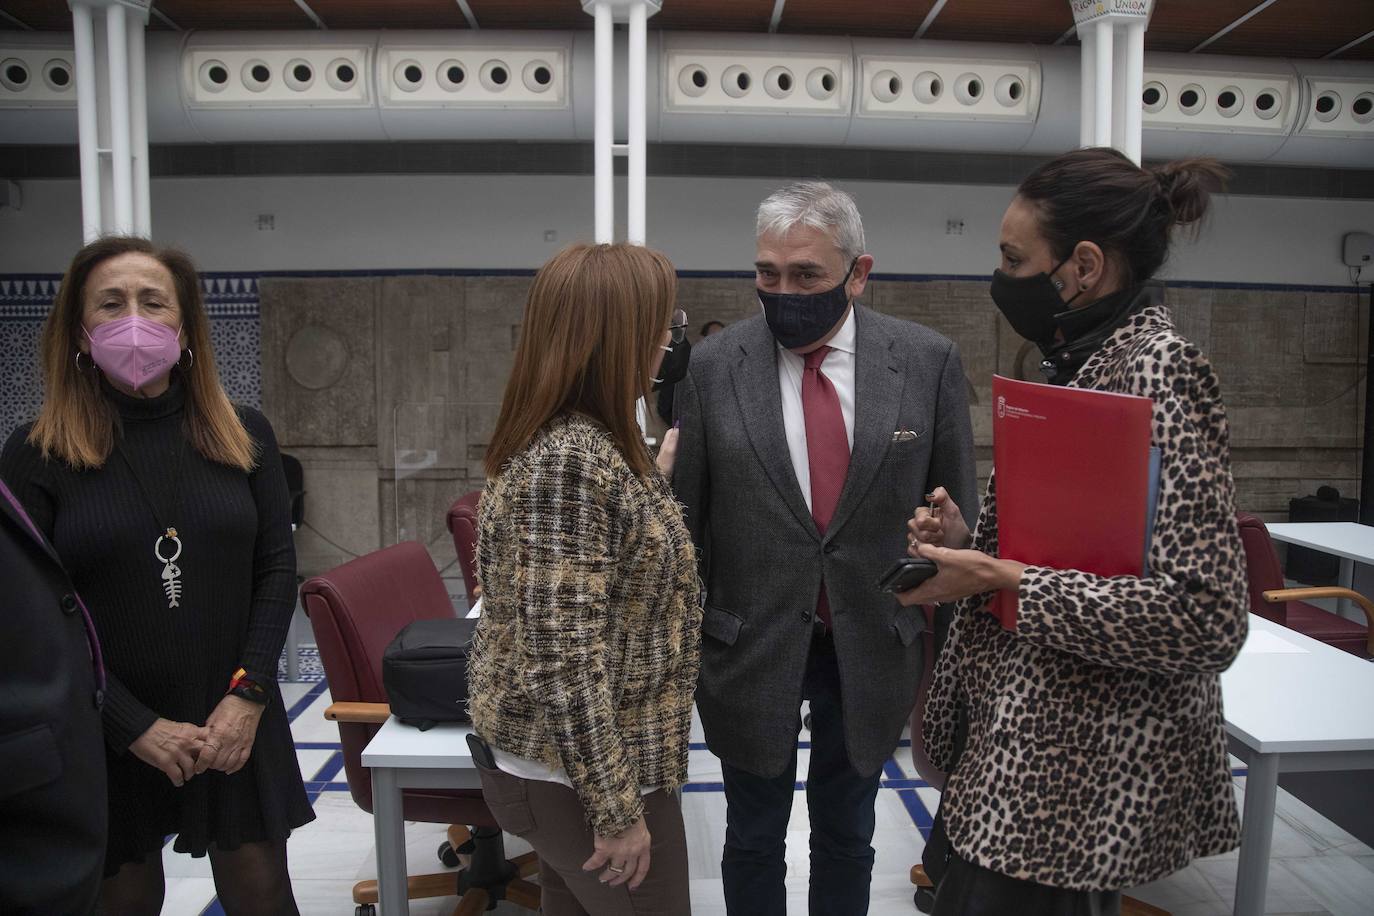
(1342, 885)
(1285, 894)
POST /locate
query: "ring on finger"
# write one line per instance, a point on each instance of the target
(618, 871)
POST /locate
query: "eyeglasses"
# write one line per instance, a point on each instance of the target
(678, 327)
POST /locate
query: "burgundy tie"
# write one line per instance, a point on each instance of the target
(827, 450)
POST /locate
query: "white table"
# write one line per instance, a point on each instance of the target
(402, 757)
(1280, 719)
(1353, 543)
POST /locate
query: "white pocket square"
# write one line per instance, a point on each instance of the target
(905, 435)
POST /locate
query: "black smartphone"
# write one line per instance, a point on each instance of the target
(906, 574)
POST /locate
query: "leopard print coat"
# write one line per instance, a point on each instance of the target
(1096, 757)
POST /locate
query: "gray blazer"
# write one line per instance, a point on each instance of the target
(763, 559)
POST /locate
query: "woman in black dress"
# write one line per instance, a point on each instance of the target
(169, 509)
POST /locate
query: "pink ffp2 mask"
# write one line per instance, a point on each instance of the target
(135, 350)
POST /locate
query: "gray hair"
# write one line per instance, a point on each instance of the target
(818, 205)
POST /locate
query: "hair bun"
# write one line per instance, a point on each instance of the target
(1187, 185)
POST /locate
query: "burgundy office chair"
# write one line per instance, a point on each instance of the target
(462, 524)
(1288, 607)
(356, 610)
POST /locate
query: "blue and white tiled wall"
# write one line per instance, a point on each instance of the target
(230, 299)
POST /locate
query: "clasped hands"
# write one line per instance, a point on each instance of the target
(941, 536)
(182, 750)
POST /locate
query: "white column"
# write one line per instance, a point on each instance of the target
(138, 125)
(1102, 109)
(83, 34)
(638, 76)
(121, 154)
(1087, 66)
(1134, 114)
(1119, 98)
(605, 124)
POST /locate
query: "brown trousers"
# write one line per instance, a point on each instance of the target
(550, 818)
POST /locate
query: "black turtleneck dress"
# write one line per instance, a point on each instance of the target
(238, 574)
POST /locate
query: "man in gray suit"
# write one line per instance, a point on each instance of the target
(809, 433)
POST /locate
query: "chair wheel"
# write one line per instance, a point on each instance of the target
(448, 855)
(924, 899)
(365, 909)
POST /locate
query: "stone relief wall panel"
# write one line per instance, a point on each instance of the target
(319, 360)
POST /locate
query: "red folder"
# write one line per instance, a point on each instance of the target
(1073, 479)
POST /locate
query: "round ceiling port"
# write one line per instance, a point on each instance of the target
(1230, 101)
(821, 83)
(408, 75)
(1327, 106)
(213, 76)
(736, 82)
(928, 87)
(1267, 104)
(256, 75)
(299, 75)
(968, 88)
(887, 86)
(538, 76)
(452, 75)
(14, 74)
(692, 80)
(778, 82)
(342, 74)
(58, 75)
(495, 75)
(1191, 99)
(1154, 97)
(1363, 107)
(1010, 90)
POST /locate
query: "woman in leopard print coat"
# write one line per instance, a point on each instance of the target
(1095, 756)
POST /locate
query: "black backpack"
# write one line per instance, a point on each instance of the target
(425, 671)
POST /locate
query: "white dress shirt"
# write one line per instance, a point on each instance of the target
(839, 368)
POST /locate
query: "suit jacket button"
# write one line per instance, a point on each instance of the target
(806, 615)
(99, 698)
(68, 604)
(830, 548)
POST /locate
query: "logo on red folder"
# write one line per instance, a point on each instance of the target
(1001, 407)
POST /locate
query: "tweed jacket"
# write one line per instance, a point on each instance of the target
(764, 558)
(586, 654)
(1096, 757)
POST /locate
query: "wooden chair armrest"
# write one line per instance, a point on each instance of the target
(1328, 591)
(358, 713)
(1307, 594)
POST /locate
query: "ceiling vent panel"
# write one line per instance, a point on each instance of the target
(278, 86)
(937, 95)
(37, 90)
(1237, 109)
(476, 86)
(742, 89)
(1335, 124)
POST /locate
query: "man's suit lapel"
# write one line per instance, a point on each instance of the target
(11, 508)
(755, 376)
(878, 384)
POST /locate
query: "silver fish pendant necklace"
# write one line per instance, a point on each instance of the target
(167, 547)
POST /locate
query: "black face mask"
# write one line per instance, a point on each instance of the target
(674, 366)
(801, 319)
(1032, 304)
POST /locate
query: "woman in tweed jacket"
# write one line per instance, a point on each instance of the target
(1095, 757)
(586, 655)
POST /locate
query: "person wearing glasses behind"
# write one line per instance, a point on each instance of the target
(168, 507)
(586, 655)
(1095, 757)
